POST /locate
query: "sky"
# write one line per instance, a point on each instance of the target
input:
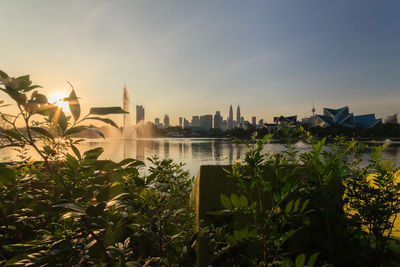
(185, 58)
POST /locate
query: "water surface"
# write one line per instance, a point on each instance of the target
(191, 151)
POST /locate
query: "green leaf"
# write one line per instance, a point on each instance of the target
(71, 214)
(133, 264)
(13, 134)
(72, 162)
(286, 263)
(76, 151)
(74, 105)
(70, 206)
(107, 110)
(93, 153)
(15, 260)
(267, 137)
(243, 201)
(288, 207)
(42, 131)
(3, 74)
(40, 99)
(226, 202)
(62, 120)
(23, 83)
(33, 87)
(75, 130)
(304, 206)
(235, 201)
(296, 204)
(300, 260)
(7, 175)
(312, 259)
(105, 120)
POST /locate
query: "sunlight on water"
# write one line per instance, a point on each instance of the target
(192, 152)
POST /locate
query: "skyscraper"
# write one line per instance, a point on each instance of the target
(180, 122)
(238, 117)
(217, 120)
(230, 118)
(185, 123)
(254, 121)
(206, 122)
(139, 114)
(166, 120)
(195, 121)
(157, 122)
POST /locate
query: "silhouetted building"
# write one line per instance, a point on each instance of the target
(343, 117)
(139, 114)
(185, 123)
(217, 120)
(254, 121)
(180, 122)
(166, 121)
(230, 118)
(206, 122)
(238, 117)
(195, 121)
(392, 119)
(282, 120)
(224, 125)
(261, 122)
(157, 122)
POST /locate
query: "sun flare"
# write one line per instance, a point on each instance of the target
(57, 99)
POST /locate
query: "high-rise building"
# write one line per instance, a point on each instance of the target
(139, 114)
(166, 120)
(254, 121)
(180, 122)
(206, 122)
(157, 122)
(195, 121)
(217, 120)
(238, 117)
(261, 122)
(230, 118)
(224, 125)
(392, 119)
(185, 123)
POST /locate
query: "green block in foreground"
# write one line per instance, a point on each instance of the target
(211, 181)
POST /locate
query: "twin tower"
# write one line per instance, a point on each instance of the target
(239, 119)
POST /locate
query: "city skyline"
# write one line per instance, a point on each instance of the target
(185, 58)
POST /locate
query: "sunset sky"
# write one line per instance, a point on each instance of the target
(185, 58)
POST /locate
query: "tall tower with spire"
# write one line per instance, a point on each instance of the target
(238, 117)
(230, 118)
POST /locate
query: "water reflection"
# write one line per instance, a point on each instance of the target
(192, 152)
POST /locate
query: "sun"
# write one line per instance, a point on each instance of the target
(56, 98)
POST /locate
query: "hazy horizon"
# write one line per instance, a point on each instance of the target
(185, 58)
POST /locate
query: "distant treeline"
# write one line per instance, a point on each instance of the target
(148, 130)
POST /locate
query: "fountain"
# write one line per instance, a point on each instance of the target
(125, 105)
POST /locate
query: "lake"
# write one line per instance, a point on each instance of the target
(191, 151)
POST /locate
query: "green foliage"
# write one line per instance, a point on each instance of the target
(374, 195)
(47, 129)
(264, 215)
(318, 204)
(75, 210)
